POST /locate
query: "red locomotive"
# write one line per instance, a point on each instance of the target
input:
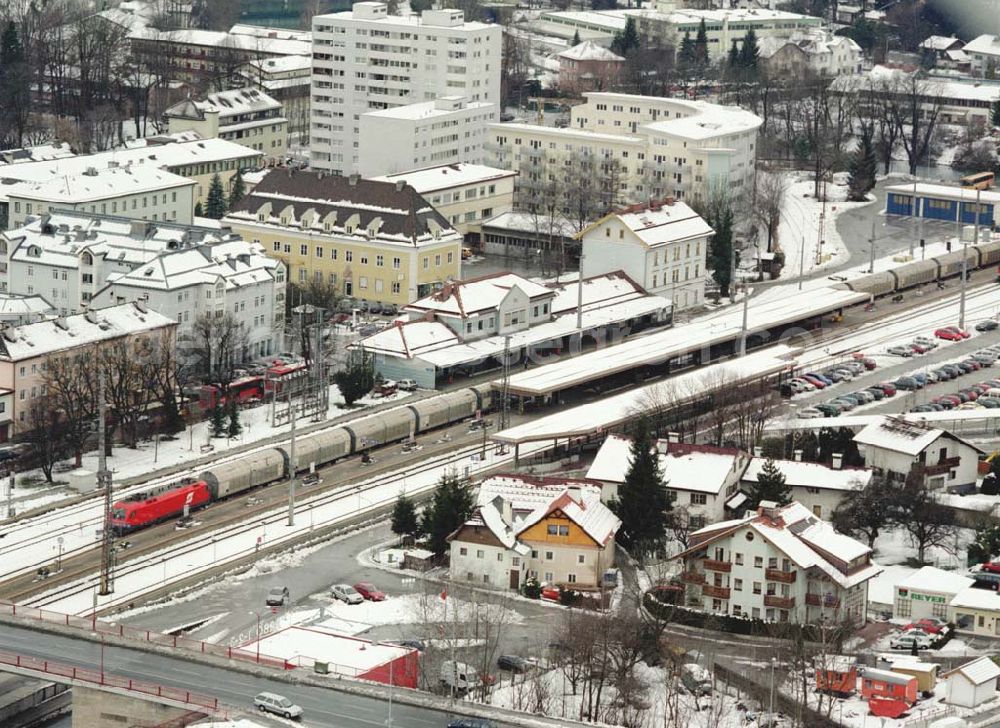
(145, 509)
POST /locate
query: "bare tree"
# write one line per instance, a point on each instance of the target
(70, 382)
(915, 105)
(129, 368)
(768, 199)
(45, 435)
(215, 346)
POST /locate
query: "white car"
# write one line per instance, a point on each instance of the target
(907, 641)
(810, 413)
(346, 593)
(277, 704)
(802, 385)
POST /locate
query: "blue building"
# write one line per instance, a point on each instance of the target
(940, 202)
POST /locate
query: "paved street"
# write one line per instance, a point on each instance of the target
(322, 707)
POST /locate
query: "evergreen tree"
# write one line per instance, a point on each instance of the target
(218, 421)
(215, 203)
(643, 501)
(238, 190)
(235, 427)
(685, 56)
(720, 247)
(986, 544)
(199, 211)
(450, 507)
(865, 512)
(995, 114)
(576, 37)
(701, 46)
(733, 59)
(15, 85)
(172, 420)
(770, 486)
(627, 39)
(404, 517)
(862, 168)
(356, 379)
(750, 52)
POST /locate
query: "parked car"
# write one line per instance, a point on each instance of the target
(908, 383)
(987, 325)
(992, 567)
(943, 374)
(696, 679)
(866, 396)
(513, 663)
(926, 342)
(462, 677)
(877, 392)
(899, 351)
(918, 348)
(277, 597)
(346, 593)
(868, 362)
(950, 333)
(551, 591)
(472, 723)
(407, 385)
(847, 404)
(815, 381)
(921, 378)
(930, 625)
(277, 704)
(889, 388)
(369, 591)
(822, 377)
(909, 640)
(810, 413)
(828, 410)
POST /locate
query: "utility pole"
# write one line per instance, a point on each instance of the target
(104, 484)
(965, 266)
(916, 214)
(822, 227)
(746, 313)
(292, 466)
(871, 255)
(505, 387)
(579, 302)
(802, 261)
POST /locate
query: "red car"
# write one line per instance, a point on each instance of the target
(951, 333)
(369, 591)
(991, 566)
(888, 387)
(918, 348)
(930, 626)
(551, 591)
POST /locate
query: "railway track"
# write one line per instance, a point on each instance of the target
(81, 562)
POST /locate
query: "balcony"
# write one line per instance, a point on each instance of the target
(943, 466)
(830, 601)
(779, 602)
(693, 577)
(785, 577)
(713, 565)
(717, 592)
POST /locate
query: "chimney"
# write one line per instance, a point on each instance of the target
(838, 460)
(353, 179)
(768, 509)
(400, 184)
(758, 451)
(798, 455)
(674, 437)
(662, 446)
(575, 493)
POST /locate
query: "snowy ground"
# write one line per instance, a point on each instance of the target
(801, 216)
(550, 693)
(163, 568)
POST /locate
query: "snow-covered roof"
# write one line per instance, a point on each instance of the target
(940, 43)
(235, 41)
(62, 237)
(805, 539)
(410, 339)
(598, 291)
(447, 176)
(946, 192)
(528, 222)
(812, 41)
(478, 295)
(957, 55)
(172, 152)
(282, 64)
(813, 475)
(979, 671)
(892, 433)
(609, 21)
(894, 678)
(57, 335)
(380, 213)
(950, 92)
(17, 305)
(986, 44)
(694, 468)
(228, 104)
(99, 184)
(237, 262)
(933, 579)
(37, 153)
(425, 21)
(430, 110)
(973, 598)
(706, 121)
(588, 50)
(569, 134)
(261, 31)
(303, 645)
(657, 224)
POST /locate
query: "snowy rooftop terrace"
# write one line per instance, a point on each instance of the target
(658, 347)
(607, 413)
(346, 655)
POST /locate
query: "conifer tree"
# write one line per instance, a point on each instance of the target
(685, 56)
(215, 203)
(238, 190)
(404, 517)
(733, 59)
(218, 421)
(770, 486)
(862, 168)
(701, 45)
(576, 37)
(450, 507)
(750, 52)
(235, 426)
(643, 500)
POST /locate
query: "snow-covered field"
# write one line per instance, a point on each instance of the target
(799, 232)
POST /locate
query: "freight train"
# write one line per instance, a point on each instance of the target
(319, 448)
(920, 272)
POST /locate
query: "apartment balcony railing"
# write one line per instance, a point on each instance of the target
(693, 577)
(713, 565)
(717, 592)
(779, 602)
(830, 601)
(786, 577)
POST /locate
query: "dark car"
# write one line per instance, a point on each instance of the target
(417, 645)
(987, 325)
(828, 410)
(513, 663)
(472, 723)
(877, 392)
(943, 374)
(908, 383)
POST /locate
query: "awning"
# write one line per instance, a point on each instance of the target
(737, 500)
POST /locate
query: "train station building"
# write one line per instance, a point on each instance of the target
(941, 202)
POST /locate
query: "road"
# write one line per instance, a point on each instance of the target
(321, 706)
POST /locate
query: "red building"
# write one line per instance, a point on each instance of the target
(837, 674)
(589, 67)
(887, 684)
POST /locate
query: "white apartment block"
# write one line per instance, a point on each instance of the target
(148, 193)
(366, 60)
(663, 246)
(448, 130)
(245, 116)
(652, 147)
(233, 275)
(67, 257)
(779, 564)
(465, 194)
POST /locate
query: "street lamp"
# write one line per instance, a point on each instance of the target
(774, 662)
(257, 615)
(59, 557)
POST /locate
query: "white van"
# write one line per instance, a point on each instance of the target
(459, 676)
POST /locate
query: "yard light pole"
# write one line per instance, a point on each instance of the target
(773, 663)
(257, 615)
(965, 265)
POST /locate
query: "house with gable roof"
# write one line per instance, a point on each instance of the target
(896, 448)
(779, 564)
(556, 530)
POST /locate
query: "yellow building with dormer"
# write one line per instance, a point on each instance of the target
(374, 241)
